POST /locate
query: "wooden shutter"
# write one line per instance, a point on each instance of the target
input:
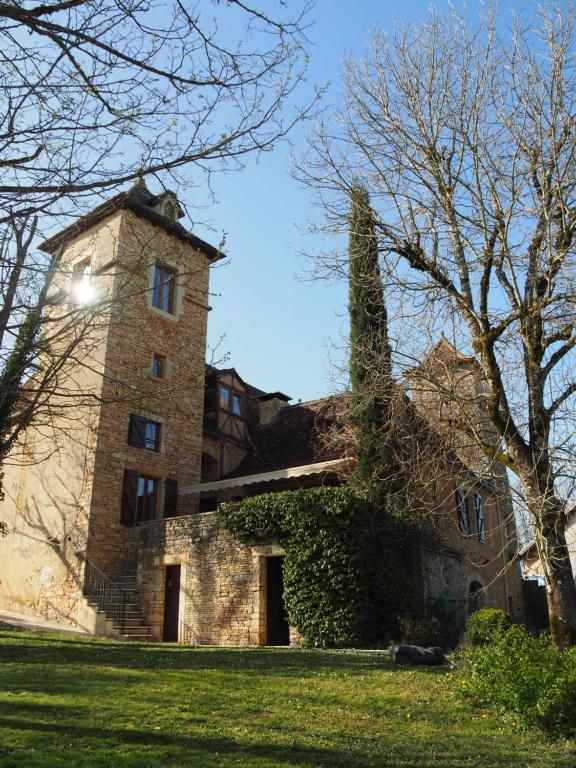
(129, 497)
(170, 497)
(479, 518)
(462, 507)
(137, 431)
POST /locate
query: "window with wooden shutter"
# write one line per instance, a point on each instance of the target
(137, 431)
(147, 498)
(129, 497)
(144, 433)
(170, 497)
(462, 509)
(479, 518)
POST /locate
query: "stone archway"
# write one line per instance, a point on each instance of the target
(476, 596)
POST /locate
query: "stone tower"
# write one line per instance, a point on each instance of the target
(449, 388)
(126, 430)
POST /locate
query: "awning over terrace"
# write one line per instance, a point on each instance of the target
(266, 477)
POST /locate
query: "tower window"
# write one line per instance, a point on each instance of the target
(147, 498)
(144, 433)
(82, 290)
(158, 366)
(164, 288)
(140, 498)
(152, 436)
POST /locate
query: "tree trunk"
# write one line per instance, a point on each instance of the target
(559, 579)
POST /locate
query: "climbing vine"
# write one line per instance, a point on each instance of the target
(346, 570)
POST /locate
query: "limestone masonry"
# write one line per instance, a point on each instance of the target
(110, 507)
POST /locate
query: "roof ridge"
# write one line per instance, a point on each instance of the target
(139, 200)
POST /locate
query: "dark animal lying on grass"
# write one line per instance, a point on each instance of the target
(414, 654)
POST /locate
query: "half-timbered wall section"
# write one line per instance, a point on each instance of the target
(225, 405)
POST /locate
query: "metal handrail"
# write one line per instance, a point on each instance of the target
(111, 598)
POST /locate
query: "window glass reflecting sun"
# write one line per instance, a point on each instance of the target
(83, 292)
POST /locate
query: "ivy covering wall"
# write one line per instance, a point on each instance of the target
(347, 569)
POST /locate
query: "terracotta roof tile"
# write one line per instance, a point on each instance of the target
(140, 201)
(299, 435)
(443, 355)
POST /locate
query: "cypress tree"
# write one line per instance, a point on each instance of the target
(370, 353)
(388, 565)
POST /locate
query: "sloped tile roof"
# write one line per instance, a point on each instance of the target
(299, 435)
(140, 201)
(444, 356)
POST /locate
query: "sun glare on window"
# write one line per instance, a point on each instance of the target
(82, 289)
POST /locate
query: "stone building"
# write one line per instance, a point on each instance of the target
(531, 561)
(111, 513)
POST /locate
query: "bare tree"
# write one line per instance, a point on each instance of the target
(98, 93)
(94, 93)
(465, 136)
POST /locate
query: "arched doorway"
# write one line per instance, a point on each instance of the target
(475, 596)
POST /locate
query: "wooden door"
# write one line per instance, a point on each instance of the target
(171, 603)
(277, 629)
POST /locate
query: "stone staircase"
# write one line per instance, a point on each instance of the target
(135, 628)
(117, 600)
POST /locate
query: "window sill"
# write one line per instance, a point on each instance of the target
(162, 313)
(149, 451)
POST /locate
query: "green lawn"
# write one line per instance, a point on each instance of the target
(74, 701)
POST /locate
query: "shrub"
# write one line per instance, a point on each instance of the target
(526, 676)
(485, 625)
(343, 578)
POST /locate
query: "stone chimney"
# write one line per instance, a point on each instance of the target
(270, 404)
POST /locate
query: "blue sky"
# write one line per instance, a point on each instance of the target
(283, 331)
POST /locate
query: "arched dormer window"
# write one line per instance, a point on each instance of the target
(169, 209)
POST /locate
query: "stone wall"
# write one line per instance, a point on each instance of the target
(226, 451)
(491, 563)
(223, 583)
(220, 580)
(451, 389)
(47, 484)
(49, 473)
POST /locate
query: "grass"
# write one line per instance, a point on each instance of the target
(76, 701)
